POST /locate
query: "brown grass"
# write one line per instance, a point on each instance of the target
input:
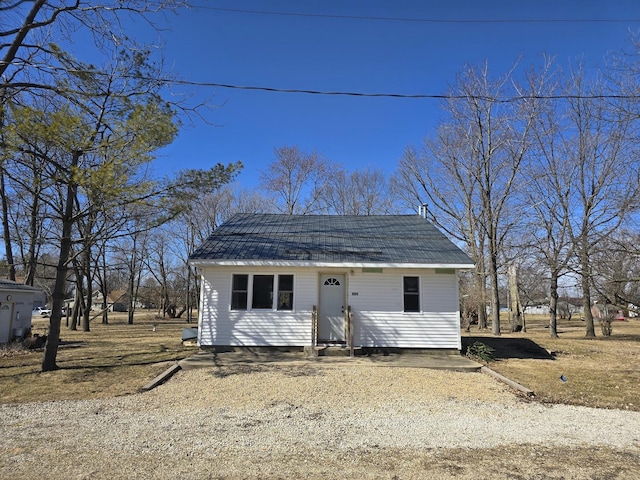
(599, 372)
(110, 360)
(118, 359)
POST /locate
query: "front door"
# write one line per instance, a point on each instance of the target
(331, 311)
(6, 311)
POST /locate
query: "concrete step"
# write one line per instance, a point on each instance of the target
(332, 351)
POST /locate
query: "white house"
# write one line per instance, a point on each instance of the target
(301, 280)
(539, 309)
(16, 303)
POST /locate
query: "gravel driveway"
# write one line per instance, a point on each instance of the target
(308, 420)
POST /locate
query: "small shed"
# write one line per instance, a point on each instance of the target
(303, 280)
(16, 304)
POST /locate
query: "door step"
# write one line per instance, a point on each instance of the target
(332, 351)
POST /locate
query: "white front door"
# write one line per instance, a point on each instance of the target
(331, 311)
(6, 310)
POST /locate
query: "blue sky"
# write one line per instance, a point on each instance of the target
(362, 55)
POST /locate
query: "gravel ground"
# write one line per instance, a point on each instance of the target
(317, 421)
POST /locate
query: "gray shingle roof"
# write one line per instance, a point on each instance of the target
(330, 239)
(6, 284)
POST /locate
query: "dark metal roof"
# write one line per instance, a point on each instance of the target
(330, 239)
(6, 284)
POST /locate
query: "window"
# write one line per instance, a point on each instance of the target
(262, 291)
(411, 294)
(285, 292)
(239, 290)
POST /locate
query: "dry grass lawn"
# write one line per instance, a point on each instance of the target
(599, 372)
(118, 359)
(110, 360)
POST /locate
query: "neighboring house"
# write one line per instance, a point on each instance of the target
(302, 280)
(16, 304)
(538, 309)
(117, 301)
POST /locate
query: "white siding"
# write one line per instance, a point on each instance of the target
(376, 300)
(20, 305)
(219, 325)
(379, 320)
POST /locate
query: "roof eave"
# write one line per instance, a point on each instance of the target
(303, 263)
(25, 289)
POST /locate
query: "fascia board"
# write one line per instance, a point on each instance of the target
(20, 289)
(305, 264)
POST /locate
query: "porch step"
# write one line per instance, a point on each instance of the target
(332, 351)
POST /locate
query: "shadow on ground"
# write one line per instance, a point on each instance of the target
(504, 348)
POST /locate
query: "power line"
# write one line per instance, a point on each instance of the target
(399, 95)
(428, 96)
(422, 20)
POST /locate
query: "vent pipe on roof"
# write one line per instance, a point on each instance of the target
(423, 210)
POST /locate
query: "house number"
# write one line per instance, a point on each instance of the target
(354, 294)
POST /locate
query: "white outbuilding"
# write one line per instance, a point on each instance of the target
(16, 304)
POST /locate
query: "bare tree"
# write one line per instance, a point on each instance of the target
(616, 270)
(545, 191)
(469, 172)
(603, 177)
(133, 254)
(27, 29)
(296, 179)
(202, 202)
(440, 173)
(361, 192)
(159, 265)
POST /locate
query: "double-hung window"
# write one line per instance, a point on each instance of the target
(239, 292)
(285, 292)
(411, 290)
(267, 292)
(262, 292)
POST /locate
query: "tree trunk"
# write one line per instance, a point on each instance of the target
(515, 308)
(105, 309)
(131, 293)
(86, 314)
(483, 320)
(495, 298)
(35, 218)
(87, 268)
(481, 293)
(553, 306)
(104, 287)
(188, 303)
(590, 330)
(5, 228)
(53, 339)
(78, 300)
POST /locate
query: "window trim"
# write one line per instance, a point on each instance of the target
(269, 281)
(417, 294)
(234, 291)
(275, 293)
(288, 308)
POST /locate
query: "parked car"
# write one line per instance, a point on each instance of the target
(42, 311)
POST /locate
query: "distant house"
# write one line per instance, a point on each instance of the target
(538, 309)
(16, 304)
(117, 301)
(299, 280)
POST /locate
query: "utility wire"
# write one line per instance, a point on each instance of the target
(193, 83)
(402, 95)
(421, 20)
